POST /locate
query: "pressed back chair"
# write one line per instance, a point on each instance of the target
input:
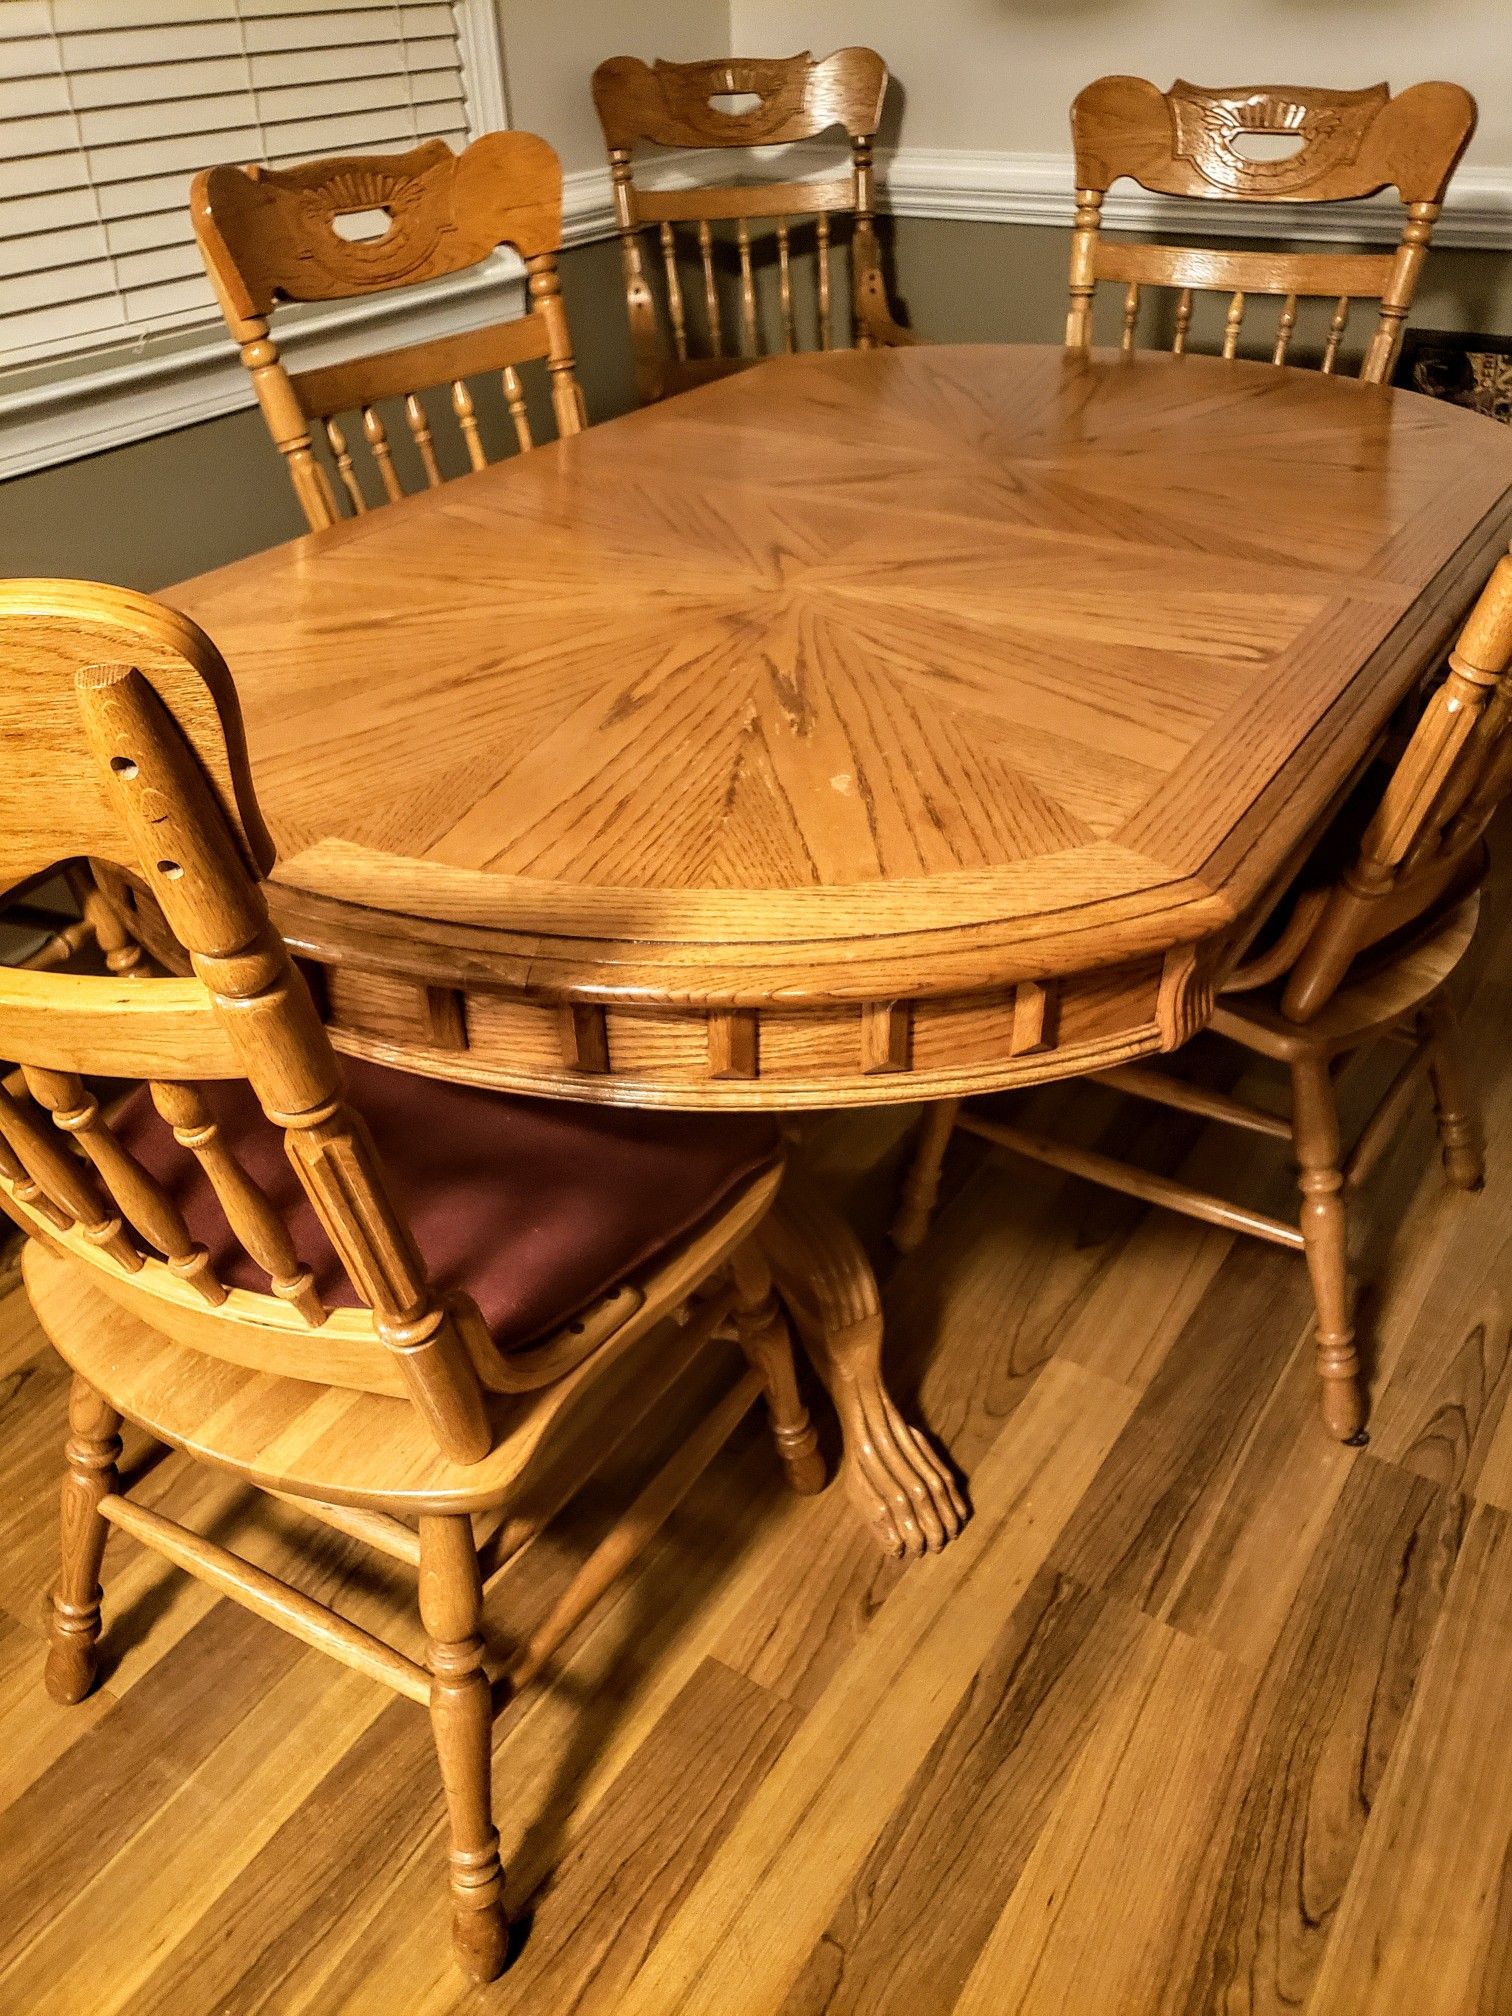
(677, 105)
(229, 1255)
(1354, 954)
(1190, 142)
(276, 235)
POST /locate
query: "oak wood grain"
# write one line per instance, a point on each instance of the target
(899, 677)
(1197, 142)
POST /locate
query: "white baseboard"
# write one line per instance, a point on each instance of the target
(1024, 188)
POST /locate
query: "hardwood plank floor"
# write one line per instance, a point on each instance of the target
(1203, 1715)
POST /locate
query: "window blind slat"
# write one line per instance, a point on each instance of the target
(107, 112)
(25, 216)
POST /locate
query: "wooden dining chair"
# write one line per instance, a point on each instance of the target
(1362, 949)
(678, 105)
(1199, 143)
(56, 919)
(404, 1305)
(302, 234)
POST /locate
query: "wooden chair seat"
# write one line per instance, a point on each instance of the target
(1391, 991)
(307, 1440)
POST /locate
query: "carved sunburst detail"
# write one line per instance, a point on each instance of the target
(1330, 128)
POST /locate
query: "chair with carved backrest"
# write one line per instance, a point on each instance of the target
(446, 1304)
(1352, 955)
(274, 235)
(676, 105)
(1191, 142)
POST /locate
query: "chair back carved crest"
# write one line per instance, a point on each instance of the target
(1424, 846)
(679, 335)
(1201, 144)
(340, 229)
(123, 741)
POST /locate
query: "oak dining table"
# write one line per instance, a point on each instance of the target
(868, 726)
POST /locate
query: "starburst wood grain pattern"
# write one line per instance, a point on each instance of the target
(1229, 1740)
(273, 235)
(709, 105)
(1200, 143)
(866, 727)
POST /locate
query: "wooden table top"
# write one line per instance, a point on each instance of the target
(864, 678)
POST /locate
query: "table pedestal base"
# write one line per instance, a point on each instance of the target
(893, 1477)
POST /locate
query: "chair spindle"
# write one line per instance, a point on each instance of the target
(344, 469)
(750, 342)
(377, 439)
(711, 289)
(785, 286)
(514, 398)
(137, 1195)
(1336, 326)
(467, 420)
(254, 1221)
(1233, 322)
(419, 426)
(1130, 317)
(674, 292)
(1183, 322)
(1284, 329)
(64, 1177)
(822, 253)
(27, 1188)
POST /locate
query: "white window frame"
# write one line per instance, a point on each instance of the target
(120, 394)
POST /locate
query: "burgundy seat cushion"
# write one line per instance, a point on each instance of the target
(532, 1207)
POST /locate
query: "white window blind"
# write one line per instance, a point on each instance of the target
(109, 107)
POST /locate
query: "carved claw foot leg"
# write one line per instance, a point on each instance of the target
(899, 1485)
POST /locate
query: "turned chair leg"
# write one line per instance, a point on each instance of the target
(1315, 1124)
(1453, 1103)
(762, 1332)
(93, 1445)
(451, 1604)
(921, 1186)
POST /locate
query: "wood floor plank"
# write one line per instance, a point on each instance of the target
(179, 1862)
(34, 1731)
(1158, 1496)
(601, 1913)
(1098, 1909)
(77, 1815)
(773, 1884)
(1426, 1920)
(925, 1899)
(1315, 1744)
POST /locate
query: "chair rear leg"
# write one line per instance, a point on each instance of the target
(762, 1332)
(921, 1186)
(93, 1445)
(1315, 1121)
(451, 1603)
(1454, 1105)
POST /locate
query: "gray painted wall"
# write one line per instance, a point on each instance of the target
(162, 510)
